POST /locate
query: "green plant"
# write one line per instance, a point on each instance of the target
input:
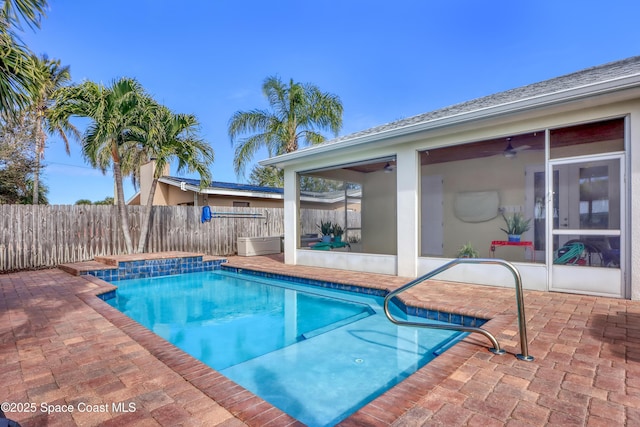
(468, 251)
(337, 230)
(516, 224)
(325, 228)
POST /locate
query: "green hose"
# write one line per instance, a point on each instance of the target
(574, 251)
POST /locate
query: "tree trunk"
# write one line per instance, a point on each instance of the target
(146, 219)
(36, 177)
(39, 149)
(122, 208)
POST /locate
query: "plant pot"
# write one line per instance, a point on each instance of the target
(326, 238)
(514, 237)
(337, 239)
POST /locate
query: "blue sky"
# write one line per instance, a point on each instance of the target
(386, 60)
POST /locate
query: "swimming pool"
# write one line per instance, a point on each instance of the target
(318, 354)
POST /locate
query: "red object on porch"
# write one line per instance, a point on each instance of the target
(507, 243)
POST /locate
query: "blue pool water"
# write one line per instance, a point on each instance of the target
(318, 354)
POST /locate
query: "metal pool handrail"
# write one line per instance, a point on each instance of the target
(522, 325)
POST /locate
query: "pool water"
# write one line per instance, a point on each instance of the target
(316, 353)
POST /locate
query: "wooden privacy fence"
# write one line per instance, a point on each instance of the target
(48, 235)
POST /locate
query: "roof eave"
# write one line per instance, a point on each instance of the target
(236, 193)
(172, 182)
(532, 103)
(132, 198)
(222, 191)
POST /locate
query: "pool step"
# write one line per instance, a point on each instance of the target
(314, 333)
(447, 344)
(77, 268)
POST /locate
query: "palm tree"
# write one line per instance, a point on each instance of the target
(18, 76)
(168, 136)
(53, 77)
(116, 113)
(268, 176)
(27, 193)
(297, 112)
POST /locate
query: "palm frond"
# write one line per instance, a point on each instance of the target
(15, 12)
(18, 76)
(312, 137)
(275, 92)
(246, 149)
(298, 113)
(248, 121)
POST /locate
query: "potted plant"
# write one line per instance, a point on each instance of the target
(325, 230)
(468, 251)
(338, 231)
(516, 225)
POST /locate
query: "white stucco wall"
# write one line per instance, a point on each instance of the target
(291, 222)
(633, 161)
(408, 224)
(534, 276)
(372, 263)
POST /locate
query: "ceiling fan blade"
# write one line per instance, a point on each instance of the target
(520, 148)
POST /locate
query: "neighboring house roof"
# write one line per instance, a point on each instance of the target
(218, 188)
(225, 188)
(613, 76)
(248, 190)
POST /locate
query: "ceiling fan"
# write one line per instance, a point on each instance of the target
(389, 167)
(510, 152)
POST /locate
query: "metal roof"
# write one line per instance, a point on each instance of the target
(224, 185)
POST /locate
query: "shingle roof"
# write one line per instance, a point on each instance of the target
(598, 74)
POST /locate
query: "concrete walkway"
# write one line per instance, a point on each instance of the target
(60, 345)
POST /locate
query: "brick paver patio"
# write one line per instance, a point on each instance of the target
(60, 345)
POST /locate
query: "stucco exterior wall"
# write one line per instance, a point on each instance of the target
(175, 196)
(633, 160)
(253, 202)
